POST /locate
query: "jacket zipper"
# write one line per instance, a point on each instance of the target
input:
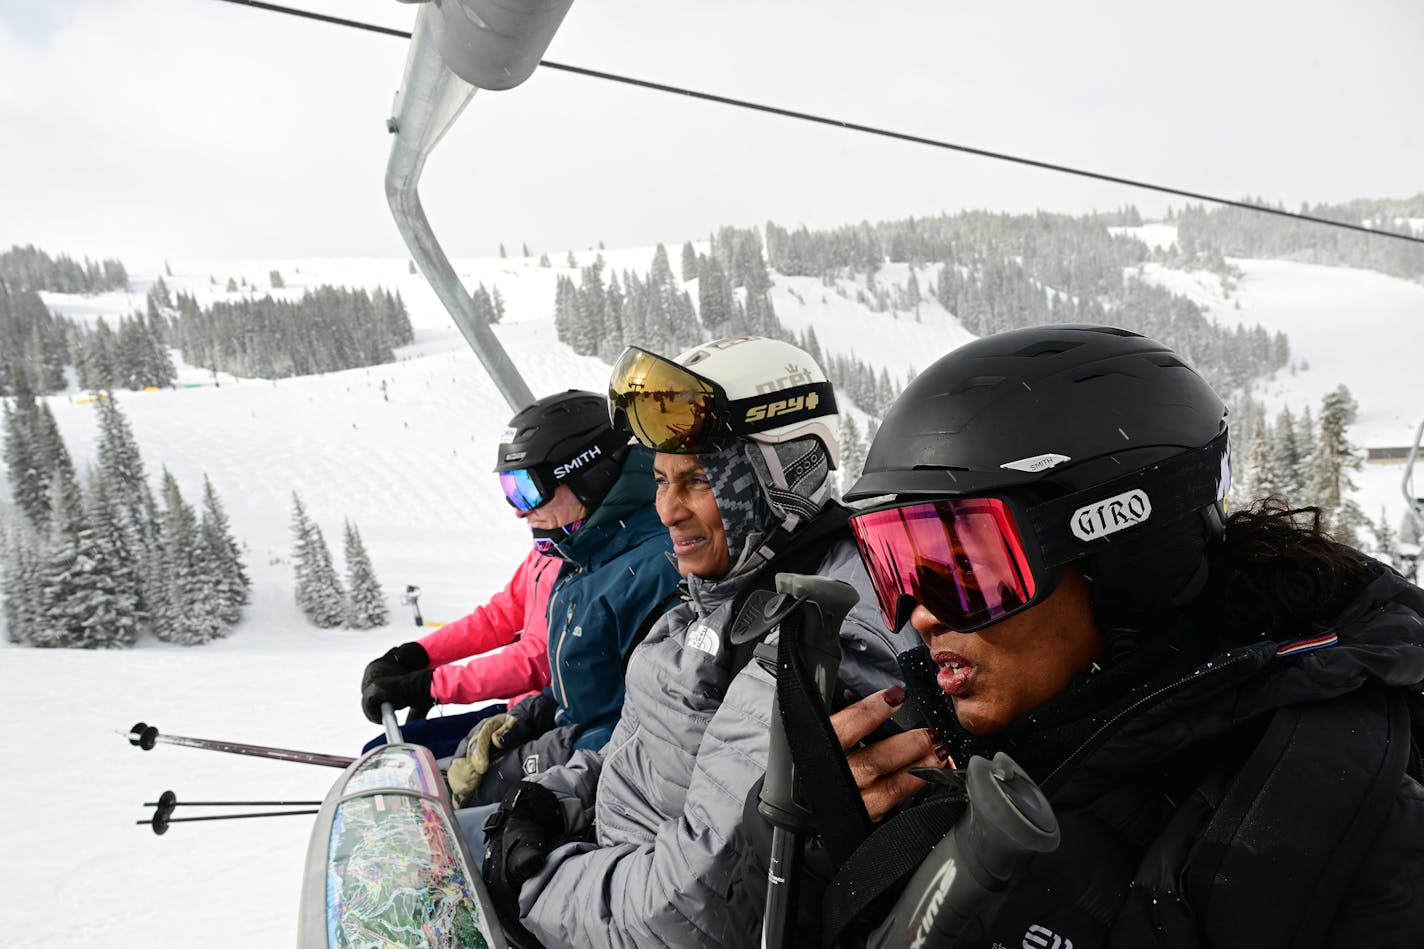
(561, 693)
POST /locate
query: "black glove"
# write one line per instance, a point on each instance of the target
(518, 838)
(532, 717)
(407, 657)
(410, 690)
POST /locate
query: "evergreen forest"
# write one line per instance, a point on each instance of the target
(96, 559)
(997, 272)
(98, 562)
(324, 330)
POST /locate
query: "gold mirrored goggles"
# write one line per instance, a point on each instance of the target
(670, 408)
(666, 407)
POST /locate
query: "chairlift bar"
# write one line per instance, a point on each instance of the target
(430, 99)
(1414, 503)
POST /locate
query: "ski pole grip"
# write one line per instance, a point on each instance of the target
(819, 633)
(1009, 818)
(968, 871)
(812, 623)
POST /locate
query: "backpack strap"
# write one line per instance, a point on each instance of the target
(883, 863)
(1244, 861)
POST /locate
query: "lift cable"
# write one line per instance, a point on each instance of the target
(869, 129)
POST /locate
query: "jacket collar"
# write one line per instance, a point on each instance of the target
(1378, 636)
(707, 596)
(624, 518)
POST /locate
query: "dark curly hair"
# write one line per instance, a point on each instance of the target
(1274, 573)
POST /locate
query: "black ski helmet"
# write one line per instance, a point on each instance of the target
(1050, 412)
(566, 438)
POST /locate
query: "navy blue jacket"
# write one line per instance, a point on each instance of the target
(616, 579)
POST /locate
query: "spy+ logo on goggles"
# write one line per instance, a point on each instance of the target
(670, 408)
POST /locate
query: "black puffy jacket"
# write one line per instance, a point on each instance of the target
(1134, 799)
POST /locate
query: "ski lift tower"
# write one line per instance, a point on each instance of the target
(459, 46)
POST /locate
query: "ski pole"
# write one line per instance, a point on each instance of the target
(159, 822)
(165, 800)
(822, 605)
(146, 736)
(1007, 821)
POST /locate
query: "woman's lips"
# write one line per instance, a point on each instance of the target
(681, 547)
(956, 675)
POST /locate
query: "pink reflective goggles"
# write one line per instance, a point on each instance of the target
(963, 559)
(973, 561)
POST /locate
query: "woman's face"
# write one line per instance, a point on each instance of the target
(1005, 671)
(563, 508)
(689, 511)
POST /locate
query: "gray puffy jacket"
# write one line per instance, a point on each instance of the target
(673, 865)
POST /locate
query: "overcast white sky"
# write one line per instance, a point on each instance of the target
(198, 129)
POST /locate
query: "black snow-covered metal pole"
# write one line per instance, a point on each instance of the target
(411, 596)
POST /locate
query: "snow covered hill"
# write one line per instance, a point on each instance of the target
(405, 451)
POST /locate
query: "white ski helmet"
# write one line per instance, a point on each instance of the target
(749, 387)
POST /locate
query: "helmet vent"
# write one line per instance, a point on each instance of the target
(1047, 347)
(977, 382)
(1166, 361)
(1097, 374)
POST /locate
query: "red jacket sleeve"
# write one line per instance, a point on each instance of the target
(513, 618)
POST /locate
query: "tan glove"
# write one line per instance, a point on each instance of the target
(467, 771)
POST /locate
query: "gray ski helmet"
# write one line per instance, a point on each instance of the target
(565, 438)
(1079, 416)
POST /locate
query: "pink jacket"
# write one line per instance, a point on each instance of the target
(515, 618)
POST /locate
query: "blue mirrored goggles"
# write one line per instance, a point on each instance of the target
(524, 489)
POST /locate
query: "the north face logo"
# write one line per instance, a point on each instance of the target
(704, 638)
(1039, 937)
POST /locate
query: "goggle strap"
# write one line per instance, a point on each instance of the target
(1176, 487)
(607, 444)
(760, 413)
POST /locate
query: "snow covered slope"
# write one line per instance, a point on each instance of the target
(405, 450)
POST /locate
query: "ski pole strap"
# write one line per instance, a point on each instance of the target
(884, 860)
(823, 778)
